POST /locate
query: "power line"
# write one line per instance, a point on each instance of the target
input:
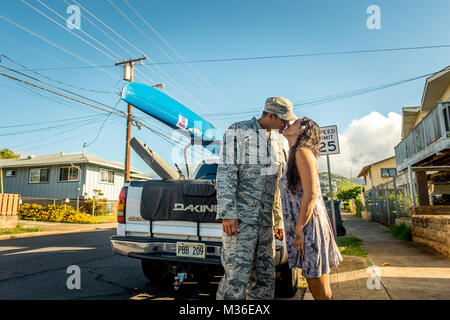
(326, 99)
(84, 40)
(55, 45)
(59, 94)
(101, 127)
(165, 53)
(262, 57)
(173, 81)
(68, 128)
(59, 134)
(45, 128)
(63, 18)
(88, 104)
(305, 55)
(40, 123)
(53, 86)
(51, 79)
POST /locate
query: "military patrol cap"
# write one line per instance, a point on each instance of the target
(282, 107)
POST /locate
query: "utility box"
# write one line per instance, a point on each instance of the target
(9, 210)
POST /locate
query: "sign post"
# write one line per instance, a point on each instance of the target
(330, 145)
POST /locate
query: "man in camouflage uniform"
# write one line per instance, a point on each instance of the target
(248, 202)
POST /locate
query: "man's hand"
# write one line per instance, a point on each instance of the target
(279, 234)
(230, 226)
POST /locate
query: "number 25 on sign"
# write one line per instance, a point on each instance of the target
(329, 140)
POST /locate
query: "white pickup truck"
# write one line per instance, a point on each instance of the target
(171, 226)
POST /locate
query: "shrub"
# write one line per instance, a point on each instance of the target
(95, 207)
(53, 213)
(359, 206)
(402, 231)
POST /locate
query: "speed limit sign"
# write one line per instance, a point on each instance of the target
(329, 140)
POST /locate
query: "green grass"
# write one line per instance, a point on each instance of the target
(402, 232)
(18, 229)
(106, 218)
(351, 246)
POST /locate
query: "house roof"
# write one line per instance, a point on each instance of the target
(409, 116)
(366, 168)
(64, 159)
(435, 86)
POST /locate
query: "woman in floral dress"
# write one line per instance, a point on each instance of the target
(309, 236)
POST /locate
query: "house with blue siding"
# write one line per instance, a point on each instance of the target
(65, 176)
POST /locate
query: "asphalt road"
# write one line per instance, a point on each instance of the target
(35, 268)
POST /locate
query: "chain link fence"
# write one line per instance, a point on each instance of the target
(95, 208)
(387, 203)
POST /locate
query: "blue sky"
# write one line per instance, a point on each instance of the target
(213, 30)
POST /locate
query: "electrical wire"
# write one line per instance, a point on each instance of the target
(54, 80)
(61, 140)
(45, 128)
(53, 86)
(325, 99)
(166, 78)
(59, 94)
(305, 54)
(30, 124)
(166, 54)
(55, 45)
(104, 121)
(66, 129)
(68, 30)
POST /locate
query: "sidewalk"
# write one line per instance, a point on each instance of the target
(407, 271)
(50, 228)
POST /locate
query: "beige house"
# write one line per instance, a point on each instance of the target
(424, 151)
(424, 155)
(372, 173)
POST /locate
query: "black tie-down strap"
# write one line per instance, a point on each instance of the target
(151, 228)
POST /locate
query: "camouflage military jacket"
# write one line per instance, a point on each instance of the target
(248, 173)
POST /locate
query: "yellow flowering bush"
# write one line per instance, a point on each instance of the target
(53, 213)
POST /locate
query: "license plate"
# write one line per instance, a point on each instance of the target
(191, 250)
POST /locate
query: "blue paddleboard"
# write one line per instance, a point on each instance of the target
(169, 111)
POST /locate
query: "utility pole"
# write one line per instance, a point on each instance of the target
(128, 75)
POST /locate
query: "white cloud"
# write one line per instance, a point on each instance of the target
(367, 140)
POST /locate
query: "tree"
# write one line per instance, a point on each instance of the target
(351, 193)
(8, 154)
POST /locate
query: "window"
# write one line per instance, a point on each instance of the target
(10, 173)
(68, 174)
(39, 175)
(106, 176)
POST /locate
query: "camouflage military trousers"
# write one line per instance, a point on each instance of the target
(249, 262)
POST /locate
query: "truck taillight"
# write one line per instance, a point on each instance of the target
(121, 206)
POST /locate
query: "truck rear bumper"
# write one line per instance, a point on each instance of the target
(165, 250)
(162, 250)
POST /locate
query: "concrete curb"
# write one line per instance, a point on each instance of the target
(49, 233)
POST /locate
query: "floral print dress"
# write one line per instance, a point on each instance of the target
(321, 251)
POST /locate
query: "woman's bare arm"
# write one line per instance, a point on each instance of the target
(307, 171)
